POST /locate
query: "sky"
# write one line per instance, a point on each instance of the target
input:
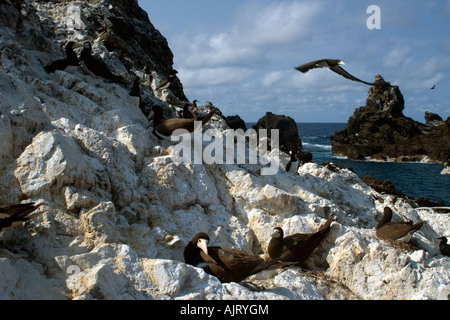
(240, 54)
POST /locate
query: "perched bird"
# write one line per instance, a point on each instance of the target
(194, 108)
(333, 65)
(135, 90)
(97, 66)
(292, 165)
(163, 128)
(399, 231)
(186, 112)
(165, 83)
(227, 264)
(17, 214)
(296, 247)
(71, 58)
(156, 115)
(444, 247)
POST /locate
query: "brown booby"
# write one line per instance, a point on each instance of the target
(296, 247)
(227, 264)
(97, 66)
(186, 112)
(163, 128)
(444, 247)
(71, 58)
(293, 164)
(17, 214)
(333, 65)
(398, 231)
(135, 90)
(165, 83)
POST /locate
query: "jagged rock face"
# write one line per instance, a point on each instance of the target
(119, 211)
(235, 122)
(288, 132)
(433, 119)
(379, 130)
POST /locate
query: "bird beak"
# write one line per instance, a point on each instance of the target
(342, 63)
(276, 234)
(203, 244)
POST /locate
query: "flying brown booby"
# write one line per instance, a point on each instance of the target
(398, 231)
(163, 128)
(97, 66)
(17, 214)
(71, 58)
(296, 247)
(333, 65)
(227, 264)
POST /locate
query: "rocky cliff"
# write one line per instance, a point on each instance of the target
(380, 131)
(119, 211)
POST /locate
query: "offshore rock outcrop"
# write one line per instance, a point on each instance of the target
(380, 131)
(289, 139)
(119, 211)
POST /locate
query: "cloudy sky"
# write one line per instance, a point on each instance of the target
(240, 54)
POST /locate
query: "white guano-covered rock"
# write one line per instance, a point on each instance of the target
(119, 210)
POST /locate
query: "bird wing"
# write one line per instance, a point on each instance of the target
(308, 66)
(167, 127)
(400, 230)
(347, 75)
(19, 210)
(234, 258)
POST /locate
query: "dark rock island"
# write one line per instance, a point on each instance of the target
(380, 131)
(290, 142)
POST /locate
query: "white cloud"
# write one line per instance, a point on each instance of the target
(256, 29)
(276, 23)
(247, 66)
(199, 77)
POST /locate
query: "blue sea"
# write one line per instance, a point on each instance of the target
(413, 179)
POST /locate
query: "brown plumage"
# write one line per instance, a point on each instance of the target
(166, 83)
(17, 214)
(296, 247)
(97, 66)
(293, 164)
(229, 265)
(400, 231)
(163, 128)
(187, 114)
(71, 59)
(444, 247)
(333, 65)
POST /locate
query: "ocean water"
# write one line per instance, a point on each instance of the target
(413, 179)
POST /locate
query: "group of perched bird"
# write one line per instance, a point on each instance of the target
(163, 128)
(93, 64)
(234, 265)
(227, 264)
